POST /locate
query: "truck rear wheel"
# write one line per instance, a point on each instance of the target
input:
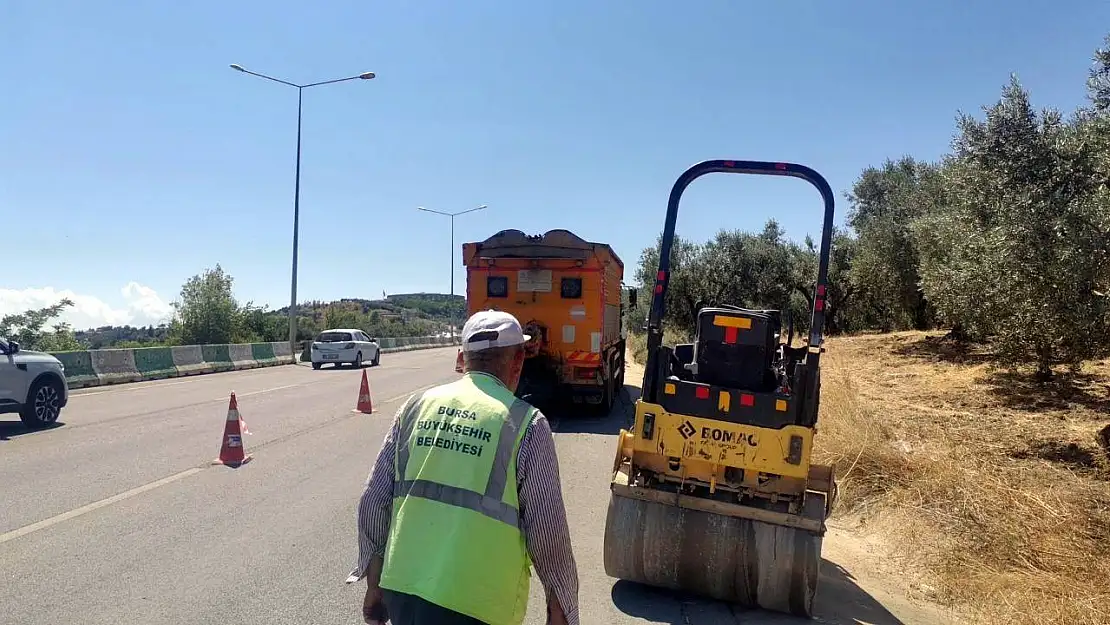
(605, 406)
(607, 399)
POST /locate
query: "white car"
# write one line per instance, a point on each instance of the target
(32, 384)
(343, 346)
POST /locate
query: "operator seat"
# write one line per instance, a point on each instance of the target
(736, 348)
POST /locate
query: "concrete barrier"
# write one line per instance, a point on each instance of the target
(79, 369)
(216, 357)
(154, 363)
(188, 360)
(114, 366)
(411, 343)
(282, 351)
(99, 367)
(263, 354)
(242, 356)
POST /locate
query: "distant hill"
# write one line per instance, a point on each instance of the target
(450, 308)
(407, 314)
(122, 336)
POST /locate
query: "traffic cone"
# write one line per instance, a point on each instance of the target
(231, 451)
(365, 404)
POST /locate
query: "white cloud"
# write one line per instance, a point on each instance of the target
(141, 306)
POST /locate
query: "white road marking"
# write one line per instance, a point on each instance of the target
(96, 505)
(265, 390)
(125, 388)
(405, 395)
(415, 390)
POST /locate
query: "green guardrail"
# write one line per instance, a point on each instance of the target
(98, 367)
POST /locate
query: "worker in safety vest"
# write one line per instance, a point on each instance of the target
(465, 496)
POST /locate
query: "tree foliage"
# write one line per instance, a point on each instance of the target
(1005, 239)
(883, 205)
(1019, 250)
(207, 312)
(28, 329)
(754, 270)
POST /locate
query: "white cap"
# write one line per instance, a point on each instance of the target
(492, 328)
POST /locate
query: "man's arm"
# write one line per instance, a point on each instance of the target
(544, 517)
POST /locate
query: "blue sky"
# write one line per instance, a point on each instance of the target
(133, 157)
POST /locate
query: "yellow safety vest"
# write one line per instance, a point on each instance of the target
(455, 538)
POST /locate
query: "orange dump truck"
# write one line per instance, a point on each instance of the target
(567, 293)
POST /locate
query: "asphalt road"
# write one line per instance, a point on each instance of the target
(118, 516)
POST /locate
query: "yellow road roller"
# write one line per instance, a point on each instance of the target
(713, 492)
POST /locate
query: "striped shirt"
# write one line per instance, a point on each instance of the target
(540, 499)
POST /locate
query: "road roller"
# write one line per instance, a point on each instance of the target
(713, 491)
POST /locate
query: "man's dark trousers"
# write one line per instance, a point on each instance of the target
(406, 609)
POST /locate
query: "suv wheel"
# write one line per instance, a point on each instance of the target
(44, 404)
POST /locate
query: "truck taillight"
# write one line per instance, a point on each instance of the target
(587, 373)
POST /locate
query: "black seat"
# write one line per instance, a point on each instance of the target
(736, 348)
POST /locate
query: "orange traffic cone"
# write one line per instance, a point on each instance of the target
(231, 451)
(365, 405)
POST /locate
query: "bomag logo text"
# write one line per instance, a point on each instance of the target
(727, 436)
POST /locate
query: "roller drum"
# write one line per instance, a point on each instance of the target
(732, 559)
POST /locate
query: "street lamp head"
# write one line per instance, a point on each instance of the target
(367, 75)
(237, 67)
(480, 207)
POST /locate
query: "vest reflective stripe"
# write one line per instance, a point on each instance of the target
(488, 503)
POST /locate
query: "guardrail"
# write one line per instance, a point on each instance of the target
(99, 367)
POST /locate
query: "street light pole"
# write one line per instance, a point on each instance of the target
(297, 186)
(296, 233)
(452, 216)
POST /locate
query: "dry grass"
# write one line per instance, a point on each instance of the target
(994, 488)
(990, 492)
